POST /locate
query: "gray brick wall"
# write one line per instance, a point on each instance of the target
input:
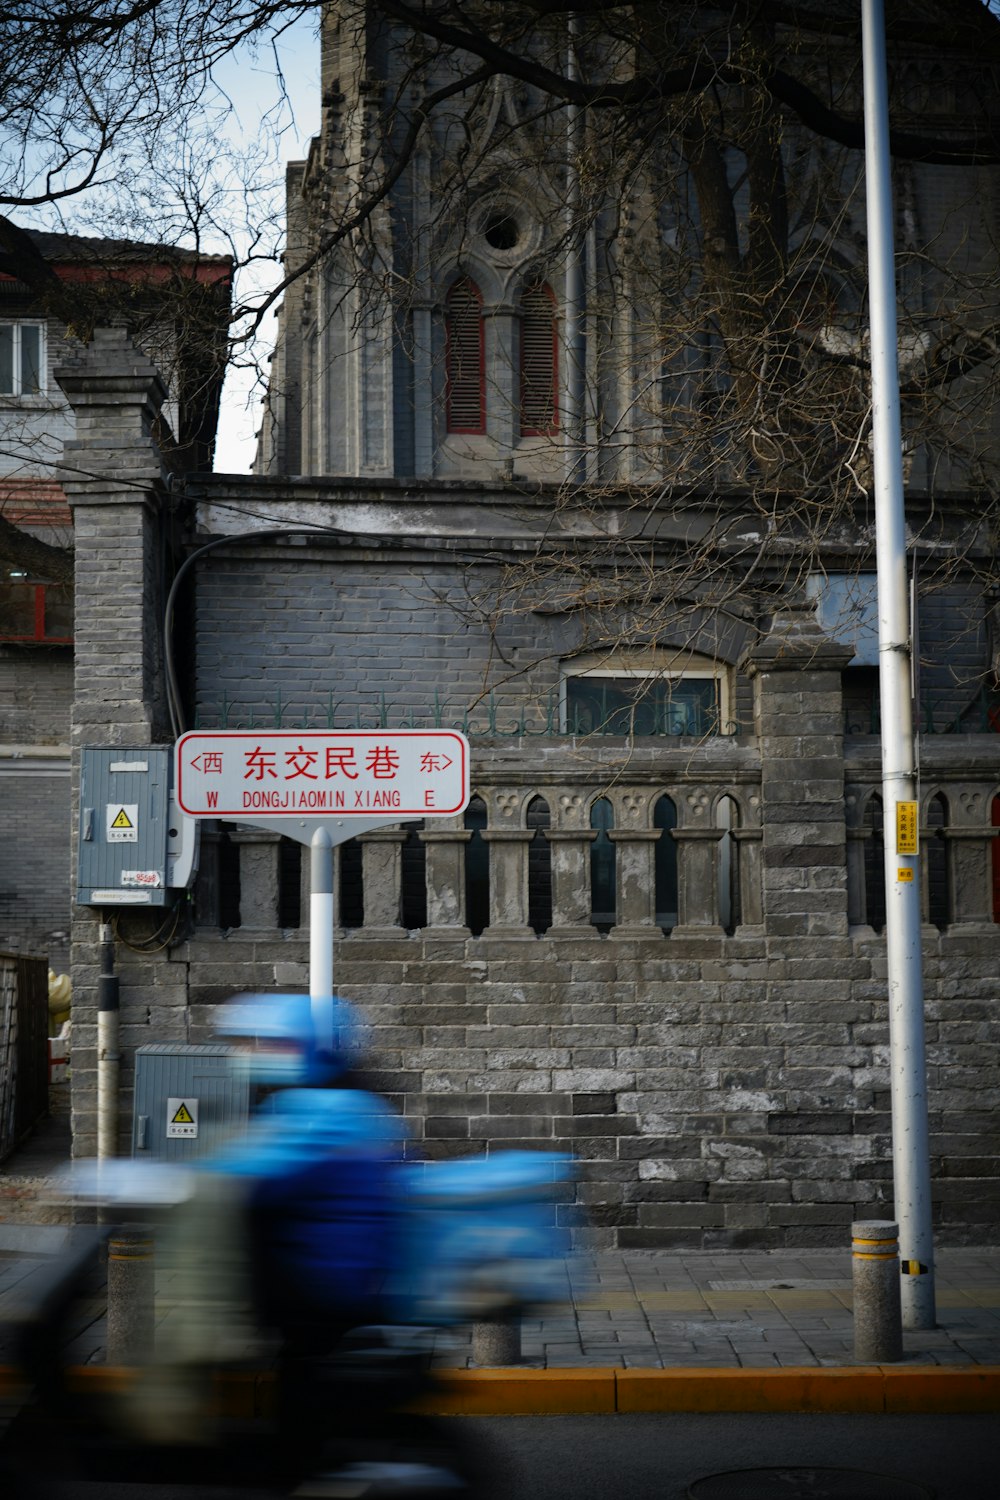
(35, 858)
(36, 695)
(718, 1090)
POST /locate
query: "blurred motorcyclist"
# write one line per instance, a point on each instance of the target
(322, 1205)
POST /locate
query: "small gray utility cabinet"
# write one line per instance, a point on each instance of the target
(189, 1099)
(124, 826)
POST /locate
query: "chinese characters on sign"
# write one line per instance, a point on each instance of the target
(236, 774)
(907, 827)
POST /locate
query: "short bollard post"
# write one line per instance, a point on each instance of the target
(497, 1341)
(878, 1323)
(130, 1296)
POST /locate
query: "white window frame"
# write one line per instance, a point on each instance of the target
(675, 665)
(18, 325)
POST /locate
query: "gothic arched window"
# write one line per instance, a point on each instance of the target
(465, 383)
(603, 875)
(665, 863)
(477, 868)
(539, 362)
(540, 866)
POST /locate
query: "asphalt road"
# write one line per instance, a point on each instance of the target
(660, 1457)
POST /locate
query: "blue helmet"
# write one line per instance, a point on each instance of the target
(297, 1040)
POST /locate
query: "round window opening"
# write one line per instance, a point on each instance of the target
(501, 230)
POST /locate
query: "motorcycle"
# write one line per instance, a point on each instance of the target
(471, 1239)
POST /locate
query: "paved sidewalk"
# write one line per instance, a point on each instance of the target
(741, 1309)
(655, 1309)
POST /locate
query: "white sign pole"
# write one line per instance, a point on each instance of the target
(321, 935)
(320, 787)
(910, 1138)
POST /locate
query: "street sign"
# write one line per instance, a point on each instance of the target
(357, 773)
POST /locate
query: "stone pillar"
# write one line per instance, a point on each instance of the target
(571, 840)
(116, 484)
(697, 882)
(796, 671)
(635, 855)
(571, 882)
(259, 859)
(445, 844)
(749, 845)
(508, 882)
(501, 329)
(382, 872)
(969, 843)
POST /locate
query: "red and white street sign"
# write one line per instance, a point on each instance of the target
(356, 773)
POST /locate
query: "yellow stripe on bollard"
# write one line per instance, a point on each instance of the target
(123, 1250)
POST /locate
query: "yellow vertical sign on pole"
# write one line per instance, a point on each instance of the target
(907, 827)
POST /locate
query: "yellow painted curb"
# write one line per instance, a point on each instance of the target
(513, 1392)
(799, 1388)
(931, 1389)
(942, 1388)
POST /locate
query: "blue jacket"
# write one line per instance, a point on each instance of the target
(324, 1205)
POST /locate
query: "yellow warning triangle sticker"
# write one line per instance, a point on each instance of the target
(122, 820)
(183, 1116)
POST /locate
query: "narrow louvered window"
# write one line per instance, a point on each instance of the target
(539, 365)
(465, 384)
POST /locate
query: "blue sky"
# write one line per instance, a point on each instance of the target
(254, 91)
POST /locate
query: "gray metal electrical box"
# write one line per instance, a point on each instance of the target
(124, 826)
(189, 1099)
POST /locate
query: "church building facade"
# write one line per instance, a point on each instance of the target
(566, 445)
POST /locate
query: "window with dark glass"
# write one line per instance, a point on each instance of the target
(477, 868)
(350, 881)
(727, 865)
(289, 884)
(33, 612)
(465, 385)
(539, 362)
(539, 866)
(414, 878)
(665, 864)
(642, 705)
(874, 865)
(603, 893)
(936, 861)
(20, 359)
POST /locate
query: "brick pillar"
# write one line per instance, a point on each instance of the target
(796, 671)
(116, 484)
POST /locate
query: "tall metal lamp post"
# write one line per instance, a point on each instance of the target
(900, 796)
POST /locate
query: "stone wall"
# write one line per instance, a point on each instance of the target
(723, 1082)
(36, 694)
